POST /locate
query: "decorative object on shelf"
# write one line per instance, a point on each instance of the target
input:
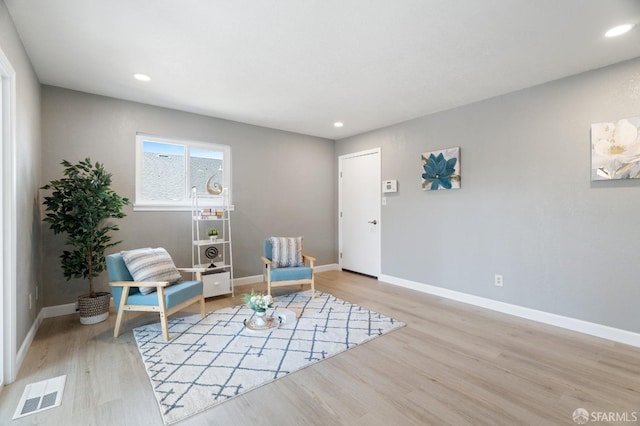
(213, 188)
(86, 228)
(211, 253)
(213, 234)
(615, 149)
(441, 169)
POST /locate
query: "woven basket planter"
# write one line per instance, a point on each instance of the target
(94, 309)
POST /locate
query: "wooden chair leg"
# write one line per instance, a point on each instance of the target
(163, 314)
(267, 276)
(116, 330)
(123, 303)
(313, 287)
(202, 307)
(165, 326)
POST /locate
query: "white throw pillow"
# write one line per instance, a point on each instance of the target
(286, 252)
(151, 264)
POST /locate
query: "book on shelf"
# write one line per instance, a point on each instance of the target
(208, 216)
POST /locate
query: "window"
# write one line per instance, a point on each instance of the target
(167, 169)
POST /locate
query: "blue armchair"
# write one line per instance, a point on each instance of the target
(285, 276)
(166, 299)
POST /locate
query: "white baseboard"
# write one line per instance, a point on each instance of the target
(59, 310)
(254, 279)
(593, 329)
(26, 343)
(325, 268)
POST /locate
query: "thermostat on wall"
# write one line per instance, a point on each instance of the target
(389, 186)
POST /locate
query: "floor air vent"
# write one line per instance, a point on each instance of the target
(40, 396)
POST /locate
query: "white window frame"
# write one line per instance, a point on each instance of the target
(152, 205)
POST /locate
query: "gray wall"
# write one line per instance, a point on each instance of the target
(283, 183)
(527, 208)
(27, 174)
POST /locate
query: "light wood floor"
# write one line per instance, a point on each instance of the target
(452, 364)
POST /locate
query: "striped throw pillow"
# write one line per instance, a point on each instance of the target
(286, 252)
(151, 264)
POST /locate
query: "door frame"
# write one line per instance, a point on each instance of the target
(7, 222)
(341, 158)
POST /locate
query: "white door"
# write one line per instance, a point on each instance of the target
(359, 217)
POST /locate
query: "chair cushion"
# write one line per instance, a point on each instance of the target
(289, 274)
(286, 252)
(173, 295)
(151, 264)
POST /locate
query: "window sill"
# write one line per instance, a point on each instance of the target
(169, 208)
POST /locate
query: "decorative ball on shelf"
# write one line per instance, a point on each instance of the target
(211, 253)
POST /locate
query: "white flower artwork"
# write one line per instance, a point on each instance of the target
(615, 149)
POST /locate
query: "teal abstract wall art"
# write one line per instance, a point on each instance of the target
(441, 169)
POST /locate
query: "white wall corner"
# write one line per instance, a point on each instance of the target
(585, 327)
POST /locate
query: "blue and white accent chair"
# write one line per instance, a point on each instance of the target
(285, 264)
(147, 280)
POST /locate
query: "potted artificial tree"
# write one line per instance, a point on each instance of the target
(79, 206)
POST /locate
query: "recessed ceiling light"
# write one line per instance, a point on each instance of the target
(142, 77)
(338, 124)
(619, 30)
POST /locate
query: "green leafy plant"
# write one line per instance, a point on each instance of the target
(78, 206)
(212, 232)
(258, 302)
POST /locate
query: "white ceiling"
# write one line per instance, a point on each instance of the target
(300, 65)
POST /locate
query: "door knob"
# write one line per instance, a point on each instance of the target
(375, 222)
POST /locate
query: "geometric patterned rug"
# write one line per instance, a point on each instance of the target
(213, 359)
